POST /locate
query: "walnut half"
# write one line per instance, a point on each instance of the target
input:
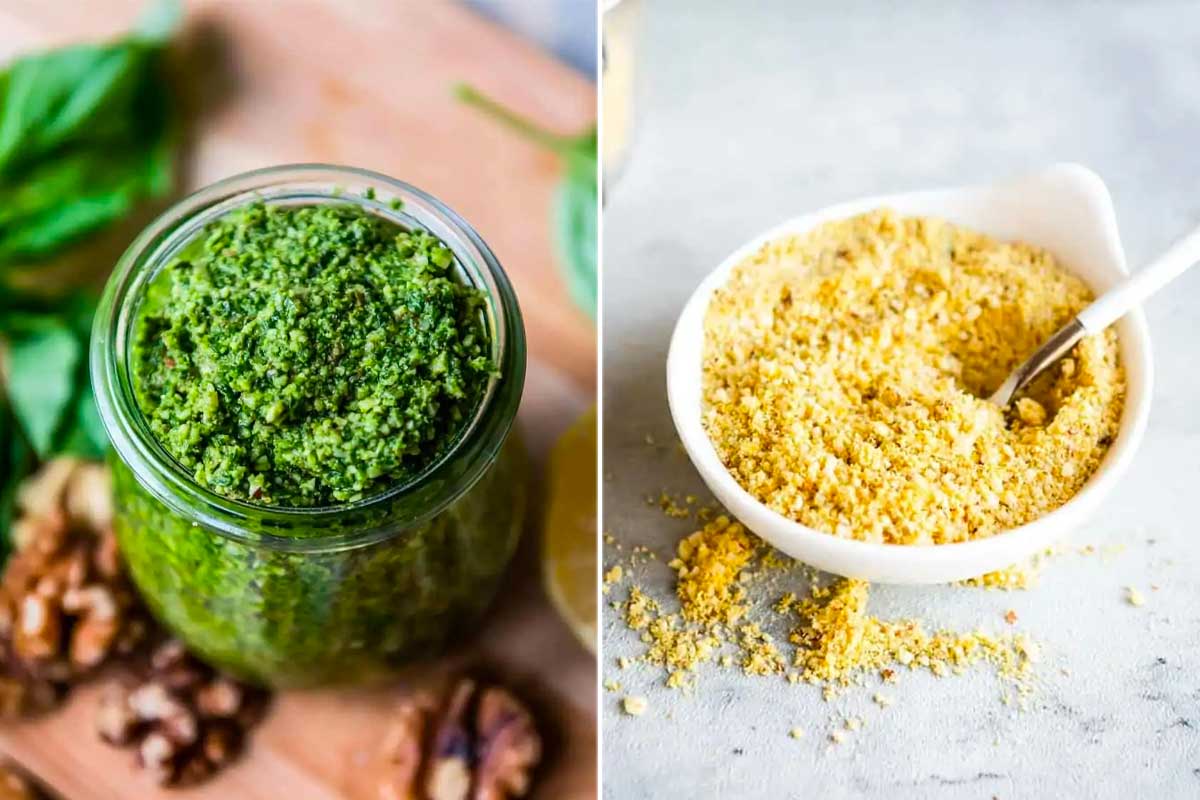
(480, 744)
(186, 721)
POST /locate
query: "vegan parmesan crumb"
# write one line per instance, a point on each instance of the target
(796, 733)
(845, 370)
(640, 609)
(834, 642)
(838, 643)
(1010, 578)
(1134, 597)
(613, 576)
(635, 705)
(710, 565)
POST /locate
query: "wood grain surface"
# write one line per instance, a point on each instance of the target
(368, 83)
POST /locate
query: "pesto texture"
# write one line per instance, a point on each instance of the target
(303, 356)
(297, 619)
(297, 357)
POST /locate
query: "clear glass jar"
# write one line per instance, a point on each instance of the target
(340, 594)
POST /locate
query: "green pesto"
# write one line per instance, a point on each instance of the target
(305, 356)
(299, 619)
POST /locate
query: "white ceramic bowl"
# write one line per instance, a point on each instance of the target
(1067, 210)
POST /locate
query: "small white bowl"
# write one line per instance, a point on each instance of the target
(1065, 209)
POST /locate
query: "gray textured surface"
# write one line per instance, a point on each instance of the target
(752, 113)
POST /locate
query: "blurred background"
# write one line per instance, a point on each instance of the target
(746, 115)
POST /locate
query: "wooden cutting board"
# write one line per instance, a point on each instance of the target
(368, 83)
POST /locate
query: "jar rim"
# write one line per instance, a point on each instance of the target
(163, 239)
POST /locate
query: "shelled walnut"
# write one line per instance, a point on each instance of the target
(185, 720)
(480, 744)
(65, 603)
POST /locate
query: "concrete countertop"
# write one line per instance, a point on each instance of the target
(752, 113)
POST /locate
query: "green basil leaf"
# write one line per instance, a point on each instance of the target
(42, 369)
(61, 200)
(83, 434)
(85, 133)
(576, 227)
(575, 202)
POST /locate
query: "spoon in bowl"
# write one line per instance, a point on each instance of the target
(1102, 312)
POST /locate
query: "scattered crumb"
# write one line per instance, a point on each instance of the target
(612, 686)
(1134, 597)
(709, 568)
(671, 508)
(612, 577)
(760, 655)
(635, 705)
(640, 609)
(838, 642)
(679, 679)
(882, 700)
(837, 737)
(623, 662)
(1016, 577)
(796, 733)
(1010, 617)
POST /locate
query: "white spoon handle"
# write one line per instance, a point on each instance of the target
(1130, 293)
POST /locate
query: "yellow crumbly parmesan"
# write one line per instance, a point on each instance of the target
(612, 576)
(711, 570)
(844, 371)
(839, 643)
(635, 705)
(760, 656)
(709, 565)
(640, 609)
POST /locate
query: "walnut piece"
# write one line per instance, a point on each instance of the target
(66, 606)
(508, 746)
(185, 721)
(481, 744)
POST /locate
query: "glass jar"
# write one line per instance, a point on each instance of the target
(618, 52)
(306, 596)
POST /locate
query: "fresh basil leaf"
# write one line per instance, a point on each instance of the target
(86, 132)
(576, 224)
(42, 369)
(83, 434)
(576, 200)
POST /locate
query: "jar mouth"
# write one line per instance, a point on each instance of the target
(304, 184)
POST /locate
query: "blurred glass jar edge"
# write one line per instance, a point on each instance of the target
(618, 66)
(249, 548)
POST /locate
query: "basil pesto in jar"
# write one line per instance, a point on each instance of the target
(309, 375)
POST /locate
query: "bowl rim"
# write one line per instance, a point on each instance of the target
(901, 563)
